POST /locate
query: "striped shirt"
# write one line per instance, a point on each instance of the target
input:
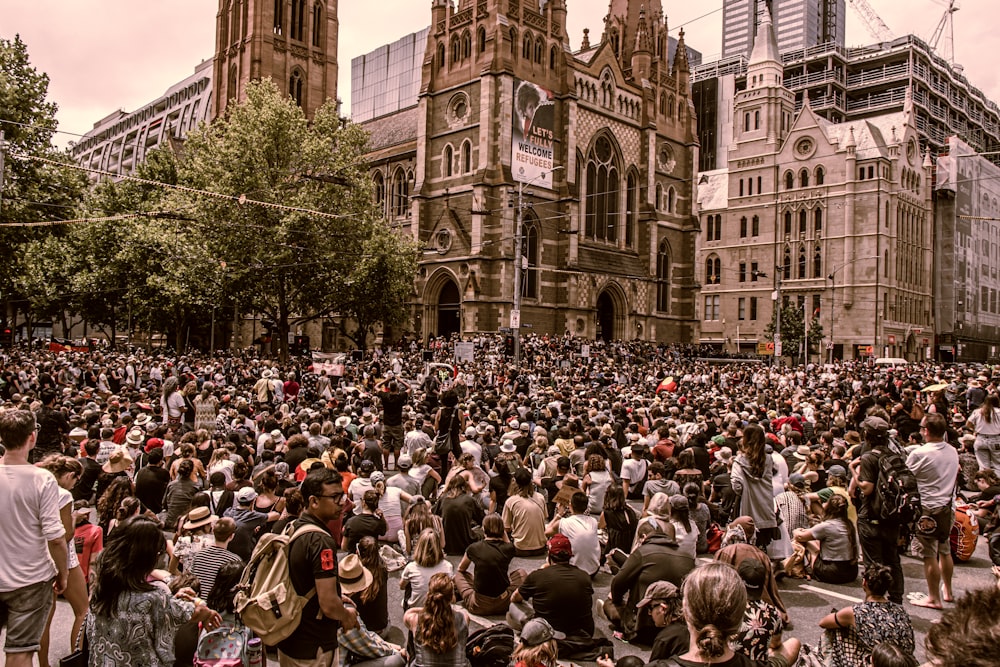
(207, 563)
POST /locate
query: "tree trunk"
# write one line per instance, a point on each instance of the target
(281, 323)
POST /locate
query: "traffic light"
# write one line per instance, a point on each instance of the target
(6, 337)
(508, 345)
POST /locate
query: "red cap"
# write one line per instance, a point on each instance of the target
(559, 545)
(153, 443)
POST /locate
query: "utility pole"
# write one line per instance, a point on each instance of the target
(3, 148)
(776, 297)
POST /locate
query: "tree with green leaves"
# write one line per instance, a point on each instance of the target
(793, 330)
(294, 218)
(36, 187)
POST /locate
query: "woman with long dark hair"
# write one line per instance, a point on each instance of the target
(751, 481)
(449, 419)
(111, 500)
(134, 616)
(372, 603)
(439, 631)
(459, 513)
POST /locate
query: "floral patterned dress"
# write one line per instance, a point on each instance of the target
(142, 633)
(874, 623)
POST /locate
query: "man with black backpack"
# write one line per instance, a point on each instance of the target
(878, 535)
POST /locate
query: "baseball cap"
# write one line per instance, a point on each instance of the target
(404, 462)
(377, 476)
(658, 590)
(559, 546)
(538, 631)
(753, 574)
(837, 471)
(246, 495)
(873, 423)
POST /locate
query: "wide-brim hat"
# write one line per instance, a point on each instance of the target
(198, 517)
(142, 419)
(135, 437)
(119, 461)
(354, 576)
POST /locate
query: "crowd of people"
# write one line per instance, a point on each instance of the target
(138, 486)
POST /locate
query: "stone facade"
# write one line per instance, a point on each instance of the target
(294, 42)
(608, 226)
(836, 215)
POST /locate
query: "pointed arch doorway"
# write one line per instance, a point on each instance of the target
(609, 315)
(449, 308)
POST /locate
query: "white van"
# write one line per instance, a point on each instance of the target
(891, 362)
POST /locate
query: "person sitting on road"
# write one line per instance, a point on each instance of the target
(487, 591)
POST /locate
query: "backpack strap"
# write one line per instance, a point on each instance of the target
(295, 533)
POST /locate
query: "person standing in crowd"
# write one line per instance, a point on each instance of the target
(32, 540)
(935, 467)
(312, 562)
(985, 423)
(751, 481)
(394, 394)
(53, 428)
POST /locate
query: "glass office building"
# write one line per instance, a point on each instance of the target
(388, 78)
(798, 24)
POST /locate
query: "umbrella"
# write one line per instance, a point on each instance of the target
(935, 387)
(667, 384)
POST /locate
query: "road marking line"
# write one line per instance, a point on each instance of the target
(823, 591)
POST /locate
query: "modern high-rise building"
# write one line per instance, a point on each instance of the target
(798, 24)
(387, 79)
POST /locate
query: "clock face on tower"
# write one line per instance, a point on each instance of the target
(665, 160)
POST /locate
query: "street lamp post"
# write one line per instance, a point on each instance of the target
(515, 314)
(833, 294)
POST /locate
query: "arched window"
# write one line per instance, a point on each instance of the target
(513, 43)
(817, 263)
(279, 17)
(802, 262)
(659, 197)
(885, 264)
(818, 220)
(232, 86)
(440, 55)
(295, 86)
(298, 19)
(317, 31)
(663, 104)
(539, 50)
(466, 157)
(789, 180)
(400, 194)
(531, 252)
(603, 191)
(713, 270)
(820, 175)
(670, 199)
(755, 226)
(670, 106)
(804, 178)
(786, 265)
(224, 28)
(631, 208)
(456, 50)
(466, 44)
(553, 57)
(746, 121)
(447, 161)
(526, 45)
(378, 187)
(788, 223)
(481, 39)
(803, 216)
(615, 42)
(756, 120)
(663, 278)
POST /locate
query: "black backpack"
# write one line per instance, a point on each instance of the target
(896, 490)
(490, 647)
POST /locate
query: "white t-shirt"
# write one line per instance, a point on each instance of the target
(982, 427)
(581, 529)
(935, 466)
(419, 577)
(30, 519)
(634, 470)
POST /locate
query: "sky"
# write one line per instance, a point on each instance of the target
(104, 55)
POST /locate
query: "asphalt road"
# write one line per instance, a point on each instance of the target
(807, 603)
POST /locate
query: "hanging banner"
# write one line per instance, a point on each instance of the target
(532, 141)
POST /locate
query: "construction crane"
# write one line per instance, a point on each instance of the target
(876, 26)
(946, 28)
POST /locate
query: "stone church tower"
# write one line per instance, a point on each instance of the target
(292, 41)
(595, 149)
